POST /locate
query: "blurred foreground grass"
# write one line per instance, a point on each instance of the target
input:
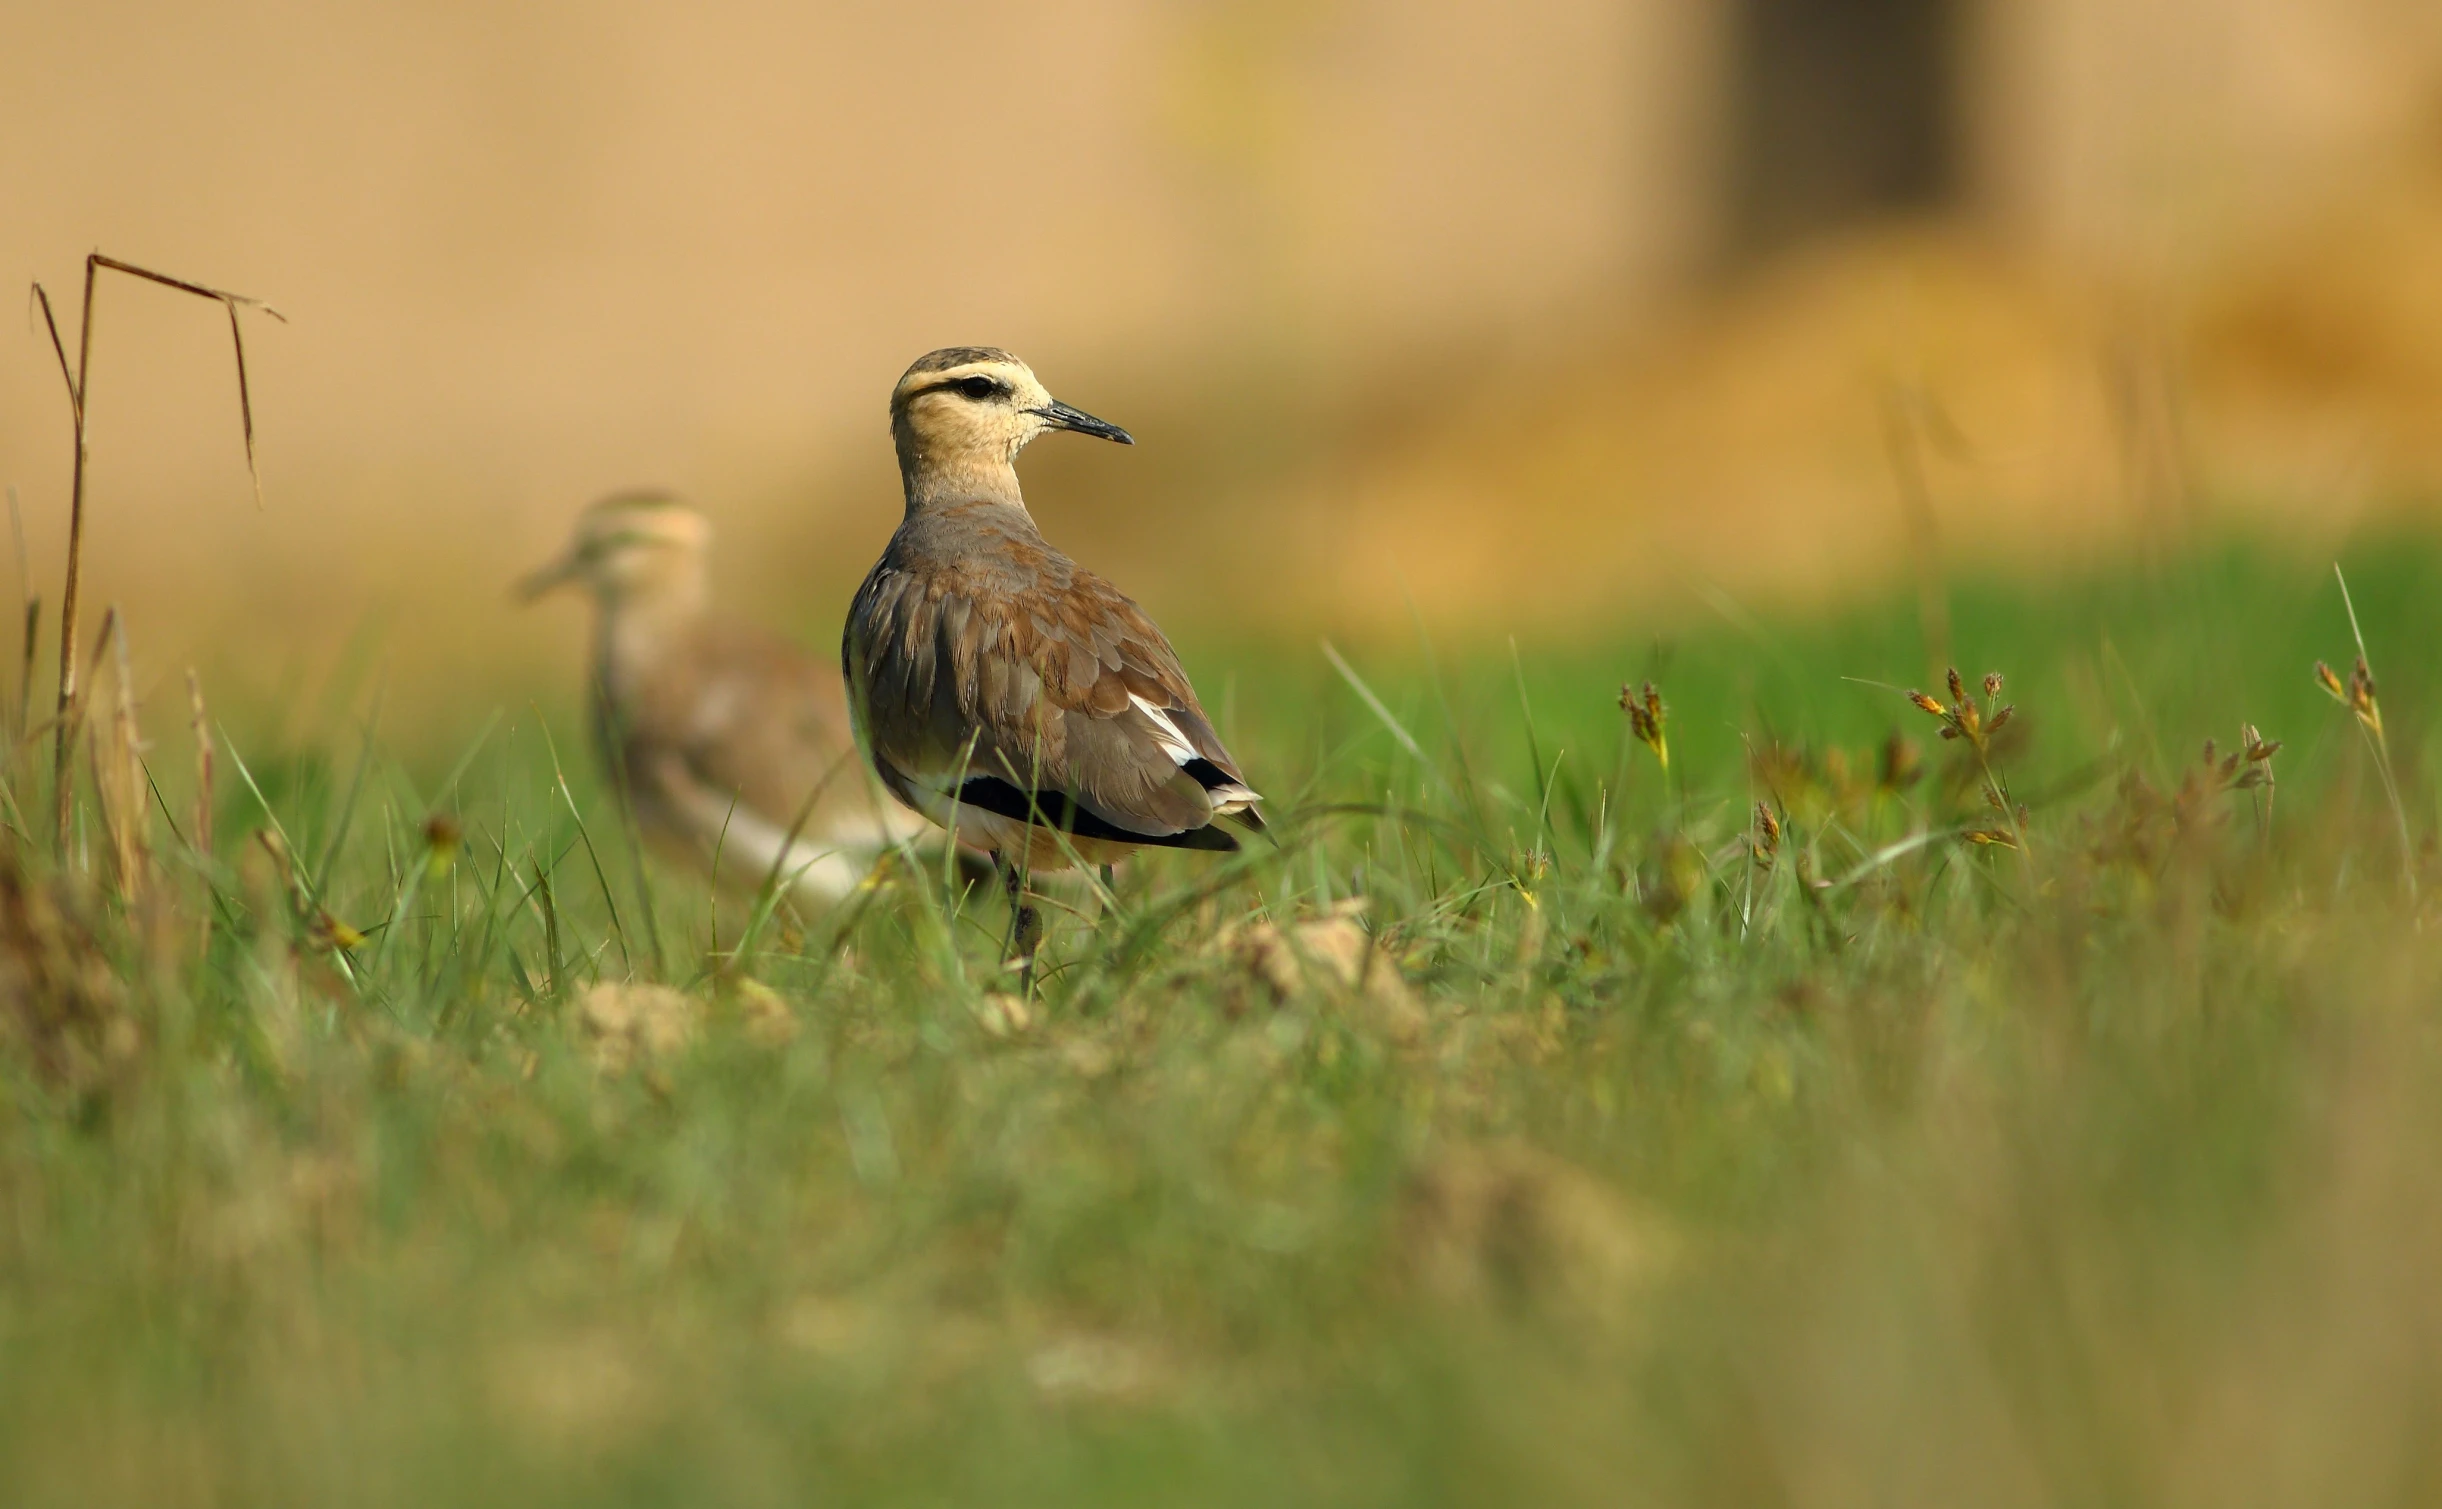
(1521, 1131)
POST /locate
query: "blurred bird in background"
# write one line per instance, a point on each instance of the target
(1003, 691)
(724, 737)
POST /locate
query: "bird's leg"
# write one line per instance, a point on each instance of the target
(1025, 924)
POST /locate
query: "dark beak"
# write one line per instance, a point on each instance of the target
(1061, 417)
(536, 584)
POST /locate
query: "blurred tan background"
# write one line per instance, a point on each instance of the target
(1532, 314)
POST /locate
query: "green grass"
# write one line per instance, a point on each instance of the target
(2096, 1173)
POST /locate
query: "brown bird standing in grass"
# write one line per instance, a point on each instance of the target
(718, 731)
(1003, 691)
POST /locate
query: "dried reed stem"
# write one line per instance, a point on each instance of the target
(71, 722)
(119, 775)
(200, 831)
(79, 380)
(25, 611)
(23, 729)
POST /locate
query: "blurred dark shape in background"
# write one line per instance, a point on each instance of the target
(1844, 110)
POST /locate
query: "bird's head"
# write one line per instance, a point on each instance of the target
(627, 547)
(961, 415)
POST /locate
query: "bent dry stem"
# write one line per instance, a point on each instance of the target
(79, 380)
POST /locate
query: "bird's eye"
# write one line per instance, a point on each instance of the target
(979, 387)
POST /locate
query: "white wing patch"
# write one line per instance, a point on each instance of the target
(1165, 732)
(1226, 800)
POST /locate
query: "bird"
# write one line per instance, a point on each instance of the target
(998, 688)
(729, 743)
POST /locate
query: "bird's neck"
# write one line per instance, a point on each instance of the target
(639, 628)
(938, 477)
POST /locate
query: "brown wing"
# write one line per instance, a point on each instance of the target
(1025, 668)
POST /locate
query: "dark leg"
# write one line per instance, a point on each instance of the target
(1025, 924)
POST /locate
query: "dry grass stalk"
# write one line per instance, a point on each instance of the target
(201, 723)
(118, 775)
(29, 613)
(554, 971)
(322, 929)
(79, 380)
(199, 831)
(31, 638)
(70, 726)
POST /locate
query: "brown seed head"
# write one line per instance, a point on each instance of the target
(1647, 720)
(1958, 687)
(2330, 682)
(1928, 704)
(2361, 697)
(1992, 683)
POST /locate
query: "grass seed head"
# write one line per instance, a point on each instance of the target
(2361, 696)
(1767, 834)
(1960, 717)
(1648, 720)
(2357, 694)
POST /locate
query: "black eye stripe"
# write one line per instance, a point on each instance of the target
(976, 386)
